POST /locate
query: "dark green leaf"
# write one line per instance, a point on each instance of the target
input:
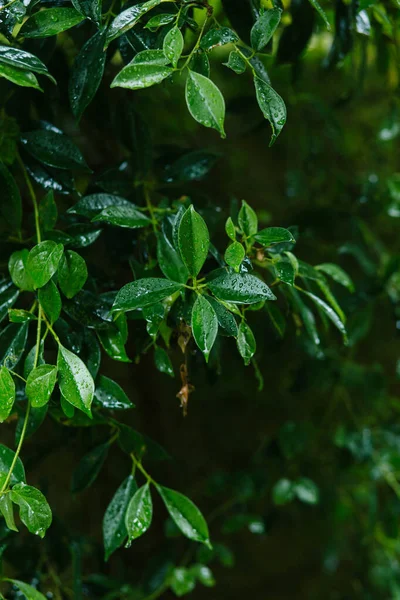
(40, 384)
(50, 300)
(88, 468)
(34, 510)
(7, 393)
(19, 315)
(138, 75)
(183, 581)
(329, 312)
(321, 12)
(16, 57)
(48, 212)
(273, 235)
(53, 149)
(306, 490)
(43, 261)
(226, 320)
(205, 102)
(128, 19)
(283, 492)
(12, 344)
(240, 288)
(87, 73)
(200, 64)
(173, 45)
(204, 325)
(246, 342)
(159, 20)
(193, 240)
(111, 395)
(123, 216)
(92, 205)
(272, 106)
(114, 528)
(139, 513)
(285, 270)
(17, 265)
(192, 166)
(144, 292)
(337, 274)
(264, 28)
(186, 515)
(163, 362)
(89, 8)
(7, 510)
(218, 37)
(50, 21)
(11, 205)
(76, 383)
(19, 77)
(7, 299)
(72, 273)
(113, 342)
(170, 261)
(236, 62)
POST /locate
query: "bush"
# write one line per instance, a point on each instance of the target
(133, 272)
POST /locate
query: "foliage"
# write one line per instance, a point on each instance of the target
(108, 238)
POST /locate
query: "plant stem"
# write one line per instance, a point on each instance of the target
(143, 471)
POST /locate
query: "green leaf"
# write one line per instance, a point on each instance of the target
(12, 344)
(19, 77)
(205, 102)
(173, 45)
(272, 106)
(89, 8)
(329, 312)
(200, 64)
(159, 20)
(7, 299)
(234, 255)
(40, 384)
(72, 273)
(114, 528)
(17, 265)
(7, 457)
(170, 261)
(236, 62)
(43, 261)
(321, 12)
(203, 574)
(113, 343)
(186, 515)
(193, 240)
(123, 216)
(138, 75)
(183, 581)
(139, 513)
(246, 342)
(128, 19)
(283, 492)
(230, 229)
(87, 73)
(226, 320)
(11, 204)
(144, 292)
(92, 205)
(285, 270)
(29, 592)
(50, 300)
(163, 362)
(50, 21)
(34, 511)
(7, 510)
(277, 318)
(89, 467)
(111, 395)
(16, 57)
(306, 490)
(337, 274)
(248, 221)
(218, 36)
(264, 28)
(19, 315)
(76, 383)
(48, 213)
(306, 316)
(53, 149)
(7, 393)
(273, 235)
(204, 325)
(240, 289)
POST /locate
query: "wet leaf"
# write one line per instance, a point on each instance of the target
(264, 28)
(234, 254)
(111, 395)
(50, 300)
(19, 58)
(17, 265)
(53, 149)
(240, 288)
(246, 342)
(186, 515)
(89, 8)
(123, 216)
(6, 459)
(139, 513)
(173, 45)
(205, 102)
(272, 106)
(40, 384)
(12, 344)
(273, 235)
(50, 21)
(19, 77)
(337, 274)
(34, 511)
(114, 528)
(7, 393)
(193, 240)
(43, 261)
(75, 381)
(72, 273)
(204, 325)
(128, 19)
(144, 292)
(7, 510)
(89, 467)
(218, 36)
(170, 261)
(163, 362)
(236, 62)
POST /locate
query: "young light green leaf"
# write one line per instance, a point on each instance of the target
(163, 362)
(230, 229)
(7, 458)
(248, 221)
(144, 292)
(89, 467)
(43, 261)
(128, 19)
(246, 342)
(111, 395)
(17, 265)
(337, 274)
(29, 592)
(170, 261)
(40, 384)
(11, 204)
(50, 300)
(273, 235)
(72, 273)
(306, 490)
(173, 45)
(76, 383)
(264, 28)
(205, 102)
(50, 21)
(7, 393)
(139, 513)
(19, 77)
(114, 528)
(204, 325)
(34, 511)
(240, 288)
(123, 216)
(186, 515)
(193, 240)
(87, 73)
(234, 255)
(272, 106)
(7, 510)
(53, 149)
